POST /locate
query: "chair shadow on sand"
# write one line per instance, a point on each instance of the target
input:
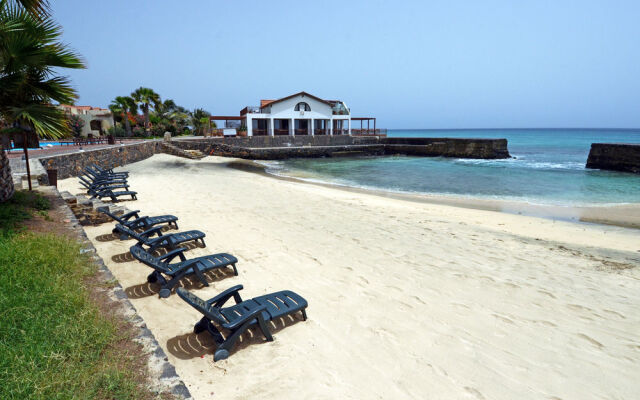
(147, 289)
(192, 345)
(127, 257)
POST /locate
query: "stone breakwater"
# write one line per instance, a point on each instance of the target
(283, 147)
(274, 148)
(615, 157)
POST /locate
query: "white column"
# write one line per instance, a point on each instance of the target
(349, 122)
(249, 126)
(271, 132)
(331, 127)
(292, 127)
(312, 127)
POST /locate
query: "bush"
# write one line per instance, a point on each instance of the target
(117, 131)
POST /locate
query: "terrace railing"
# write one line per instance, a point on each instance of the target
(250, 109)
(369, 132)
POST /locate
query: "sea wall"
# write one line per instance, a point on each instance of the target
(73, 164)
(282, 147)
(615, 157)
(447, 147)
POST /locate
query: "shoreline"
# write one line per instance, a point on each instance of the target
(623, 216)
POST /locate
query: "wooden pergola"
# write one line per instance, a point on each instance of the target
(368, 119)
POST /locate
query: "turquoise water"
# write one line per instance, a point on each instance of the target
(43, 145)
(548, 168)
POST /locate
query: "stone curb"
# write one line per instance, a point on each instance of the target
(161, 369)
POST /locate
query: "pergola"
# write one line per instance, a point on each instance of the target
(368, 119)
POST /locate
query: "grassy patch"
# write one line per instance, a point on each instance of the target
(55, 343)
(20, 208)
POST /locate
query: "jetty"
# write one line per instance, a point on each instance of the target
(623, 157)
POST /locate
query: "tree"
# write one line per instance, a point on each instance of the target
(200, 119)
(30, 55)
(124, 105)
(75, 125)
(145, 98)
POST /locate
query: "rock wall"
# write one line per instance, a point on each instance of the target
(615, 157)
(73, 164)
(282, 147)
(448, 147)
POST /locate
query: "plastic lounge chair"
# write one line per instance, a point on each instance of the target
(114, 195)
(90, 183)
(178, 270)
(140, 222)
(103, 174)
(98, 191)
(170, 241)
(239, 317)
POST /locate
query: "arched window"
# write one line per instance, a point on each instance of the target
(302, 106)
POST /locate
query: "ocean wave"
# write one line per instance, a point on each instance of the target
(521, 162)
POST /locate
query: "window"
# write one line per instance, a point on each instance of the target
(302, 106)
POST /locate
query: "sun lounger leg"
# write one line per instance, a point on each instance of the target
(235, 270)
(304, 314)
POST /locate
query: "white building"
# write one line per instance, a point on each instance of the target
(96, 120)
(298, 114)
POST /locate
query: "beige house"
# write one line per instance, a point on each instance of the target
(96, 120)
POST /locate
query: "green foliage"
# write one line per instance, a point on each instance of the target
(30, 57)
(54, 341)
(19, 209)
(75, 124)
(117, 131)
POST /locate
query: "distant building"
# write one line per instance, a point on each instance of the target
(96, 120)
(298, 114)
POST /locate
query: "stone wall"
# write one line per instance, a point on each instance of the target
(73, 164)
(282, 147)
(448, 147)
(615, 157)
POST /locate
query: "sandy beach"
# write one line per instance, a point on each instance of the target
(407, 299)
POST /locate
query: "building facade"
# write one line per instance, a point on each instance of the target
(298, 114)
(96, 120)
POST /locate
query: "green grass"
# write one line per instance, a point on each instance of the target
(54, 341)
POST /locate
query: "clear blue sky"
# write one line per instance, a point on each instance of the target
(411, 64)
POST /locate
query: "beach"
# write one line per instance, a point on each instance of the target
(407, 299)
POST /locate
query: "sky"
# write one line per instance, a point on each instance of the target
(412, 64)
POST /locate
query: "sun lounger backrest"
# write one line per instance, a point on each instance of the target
(196, 302)
(105, 210)
(130, 232)
(144, 256)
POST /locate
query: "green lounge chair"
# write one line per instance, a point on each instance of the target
(239, 317)
(133, 220)
(170, 241)
(178, 270)
(114, 195)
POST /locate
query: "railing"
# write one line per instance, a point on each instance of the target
(301, 131)
(259, 132)
(340, 131)
(281, 131)
(250, 109)
(368, 132)
(320, 132)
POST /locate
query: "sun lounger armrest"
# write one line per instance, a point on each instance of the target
(222, 298)
(128, 215)
(255, 314)
(172, 254)
(150, 232)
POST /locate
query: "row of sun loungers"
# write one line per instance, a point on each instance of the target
(172, 266)
(104, 183)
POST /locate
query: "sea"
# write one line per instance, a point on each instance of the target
(547, 168)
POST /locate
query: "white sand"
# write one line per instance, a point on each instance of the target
(406, 300)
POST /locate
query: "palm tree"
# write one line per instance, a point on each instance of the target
(200, 118)
(37, 8)
(124, 105)
(145, 97)
(30, 53)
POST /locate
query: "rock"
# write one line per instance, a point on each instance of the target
(167, 137)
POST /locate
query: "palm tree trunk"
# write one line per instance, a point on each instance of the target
(6, 181)
(127, 124)
(146, 118)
